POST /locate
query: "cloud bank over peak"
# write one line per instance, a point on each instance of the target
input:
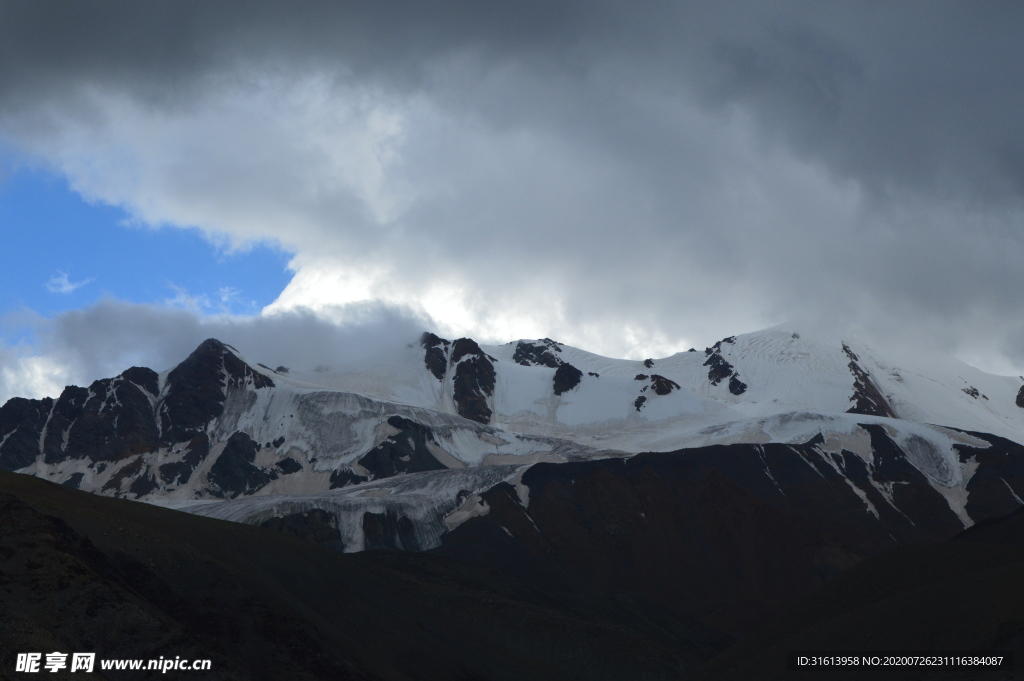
(80, 346)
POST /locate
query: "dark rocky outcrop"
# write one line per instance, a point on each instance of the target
(717, 347)
(234, 473)
(718, 368)
(195, 390)
(126, 472)
(537, 354)
(114, 423)
(145, 378)
(997, 485)
(1020, 398)
(346, 477)
(240, 374)
(142, 485)
(566, 378)
(118, 418)
(288, 465)
(179, 472)
(195, 393)
(867, 398)
(662, 385)
(67, 408)
(404, 452)
(435, 356)
(21, 421)
(649, 363)
(474, 380)
(543, 354)
(736, 386)
(638, 403)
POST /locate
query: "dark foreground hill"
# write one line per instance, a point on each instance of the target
(960, 595)
(83, 573)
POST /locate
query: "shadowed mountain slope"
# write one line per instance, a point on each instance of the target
(965, 594)
(126, 580)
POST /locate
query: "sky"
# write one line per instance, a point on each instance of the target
(319, 181)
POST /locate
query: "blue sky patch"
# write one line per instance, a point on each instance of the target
(60, 252)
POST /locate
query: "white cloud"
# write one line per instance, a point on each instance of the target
(59, 283)
(80, 346)
(31, 376)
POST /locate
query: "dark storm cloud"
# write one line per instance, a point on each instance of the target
(894, 94)
(685, 168)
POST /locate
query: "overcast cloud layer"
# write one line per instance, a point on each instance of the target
(630, 178)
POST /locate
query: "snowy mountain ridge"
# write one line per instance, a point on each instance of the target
(416, 438)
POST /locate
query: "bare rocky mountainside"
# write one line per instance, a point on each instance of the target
(682, 501)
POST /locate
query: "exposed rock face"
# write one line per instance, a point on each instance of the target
(474, 380)
(867, 398)
(346, 477)
(566, 378)
(537, 354)
(404, 452)
(662, 385)
(1020, 397)
(659, 384)
(145, 378)
(234, 473)
(195, 394)
(720, 369)
(995, 489)
(196, 389)
(543, 354)
(131, 470)
(179, 472)
(66, 409)
(239, 373)
(114, 423)
(118, 418)
(21, 422)
(435, 355)
(142, 485)
(288, 465)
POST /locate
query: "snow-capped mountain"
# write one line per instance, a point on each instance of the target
(439, 404)
(545, 388)
(535, 450)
